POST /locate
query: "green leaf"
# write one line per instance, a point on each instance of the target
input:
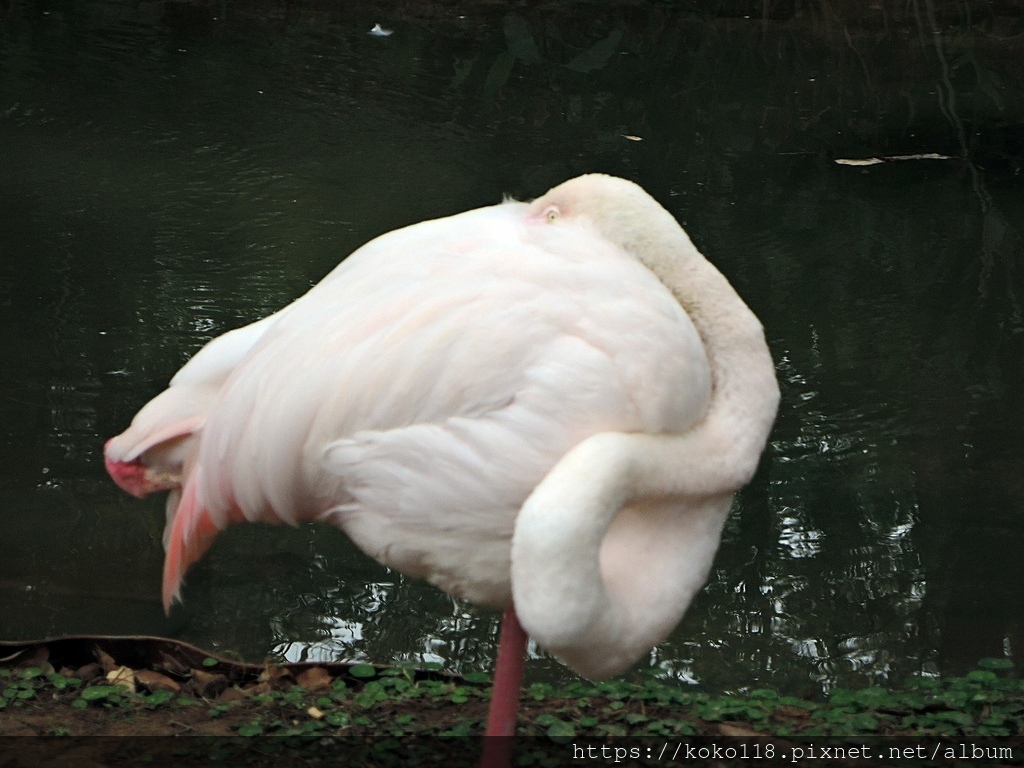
(255, 728)
(100, 692)
(981, 676)
(61, 683)
(863, 722)
(561, 730)
(365, 671)
(871, 696)
(157, 698)
(477, 677)
(841, 696)
(208, 662)
(957, 718)
(995, 664)
(337, 719)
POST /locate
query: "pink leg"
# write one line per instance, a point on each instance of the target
(508, 680)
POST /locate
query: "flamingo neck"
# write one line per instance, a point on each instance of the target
(721, 453)
(613, 544)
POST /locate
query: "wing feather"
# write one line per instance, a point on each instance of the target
(428, 384)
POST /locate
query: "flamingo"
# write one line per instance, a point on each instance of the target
(541, 407)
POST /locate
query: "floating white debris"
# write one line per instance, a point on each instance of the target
(632, 137)
(891, 159)
(379, 31)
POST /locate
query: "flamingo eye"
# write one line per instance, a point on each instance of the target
(551, 213)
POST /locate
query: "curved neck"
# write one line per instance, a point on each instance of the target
(598, 585)
(722, 452)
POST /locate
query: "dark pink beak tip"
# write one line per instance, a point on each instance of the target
(130, 476)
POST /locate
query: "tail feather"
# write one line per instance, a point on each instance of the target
(192, 532)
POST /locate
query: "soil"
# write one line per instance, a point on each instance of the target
(77, 692)
(86, 702)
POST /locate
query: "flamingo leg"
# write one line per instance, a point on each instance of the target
(508, 679)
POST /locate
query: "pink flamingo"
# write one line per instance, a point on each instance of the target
(542, 407)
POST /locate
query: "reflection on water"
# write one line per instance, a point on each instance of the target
(167, 176)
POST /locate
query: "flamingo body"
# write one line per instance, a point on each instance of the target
(463, 397)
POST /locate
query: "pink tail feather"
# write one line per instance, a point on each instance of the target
(192, 533)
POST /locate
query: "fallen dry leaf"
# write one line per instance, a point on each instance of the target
(234, 693)
(277, 676)
(89, 672)
(105, 659)
(173, 666)
(208, 685)
(314, 679)
(154, 681)
(122, 677)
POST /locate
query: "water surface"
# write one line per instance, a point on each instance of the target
(167, 176)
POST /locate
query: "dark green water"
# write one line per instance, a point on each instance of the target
(166, 176)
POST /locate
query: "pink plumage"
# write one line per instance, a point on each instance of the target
(506, 402)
